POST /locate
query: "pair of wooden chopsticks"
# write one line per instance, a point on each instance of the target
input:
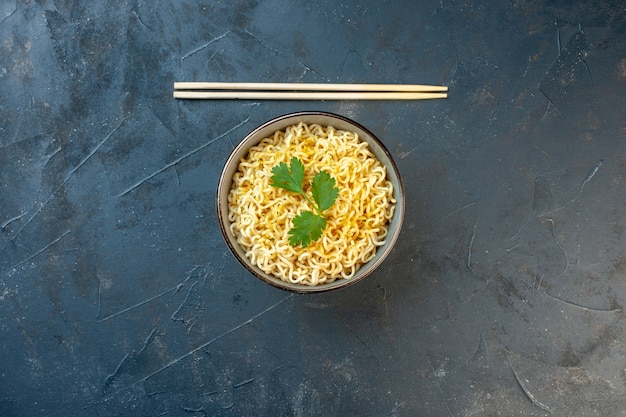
(306, 91)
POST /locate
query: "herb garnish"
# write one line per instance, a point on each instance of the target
(307, 226)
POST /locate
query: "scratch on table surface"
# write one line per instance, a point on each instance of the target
(197, 306)
(582, 307)
(146, 301)
(470, 246)
(342, 67)
(208, 393)
(141, 21)
(558, 37)
(526, 391)
(194, 410)
(10, 13)
(230, 140)
(42, 250)
(537, 282)
(204, 45)
(283, 366)
(11, 220)
(562, 249)
(52, 155)
(39, 209)
(468, 205)
(67, 177)
(93, 151)
(395, 408)
(47, 161)
(177, 176)
(109, 379)
(404, 154)
(592, 172)
(242, 383)
(126, 310)
(552, 103)
(518, 231)
(149, 339)
(275, 50)
(588, 74)
(173, 316)
(437, 373)
(546, 113)
(192, 351)
(356, 335)
(213, 55)
(480, 346)
(181, 158)
(590, 175)
(385, 300)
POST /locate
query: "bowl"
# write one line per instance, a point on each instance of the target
(323, 119)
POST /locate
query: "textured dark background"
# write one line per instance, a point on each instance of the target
(504, 296)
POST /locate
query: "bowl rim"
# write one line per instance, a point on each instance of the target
(339, 283)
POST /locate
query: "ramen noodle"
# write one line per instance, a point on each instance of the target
(261, 215)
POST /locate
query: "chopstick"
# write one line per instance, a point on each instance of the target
(307, 91)
(310, 95)
(306, 86)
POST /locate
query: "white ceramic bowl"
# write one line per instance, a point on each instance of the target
(323, 119)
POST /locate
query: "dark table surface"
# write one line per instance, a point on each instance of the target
(504, 295)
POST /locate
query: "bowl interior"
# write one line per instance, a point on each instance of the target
(323, 119)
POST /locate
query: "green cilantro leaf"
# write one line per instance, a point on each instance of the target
(324, 191)
(289, 178)
(307, 227)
